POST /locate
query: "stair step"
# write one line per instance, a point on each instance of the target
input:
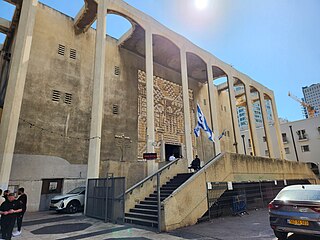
(162, 195)
(148, 202)
(145, 206)
(142, 216)
(167, 189)
(143, 222)
(154, 199)
(144, 211)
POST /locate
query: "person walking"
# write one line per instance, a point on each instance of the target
(8, 211)
(22, 198)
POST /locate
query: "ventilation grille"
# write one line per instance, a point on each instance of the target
(56, 95)
(115, 109)
(61, 49)
(117, 70)
(73, 53)
(67, 98)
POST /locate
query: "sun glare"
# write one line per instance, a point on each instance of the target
(201, 4)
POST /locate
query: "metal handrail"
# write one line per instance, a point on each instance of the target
(152, 175)
(205, 166)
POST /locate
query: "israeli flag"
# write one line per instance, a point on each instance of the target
(202, 123)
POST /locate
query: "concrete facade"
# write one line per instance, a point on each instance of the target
(92, 99)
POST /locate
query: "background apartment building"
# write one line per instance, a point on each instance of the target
(301, 140)
(311, 95)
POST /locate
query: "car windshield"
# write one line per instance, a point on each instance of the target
(299, 195)
(77, 190)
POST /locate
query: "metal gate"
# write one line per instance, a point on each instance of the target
(105, 199)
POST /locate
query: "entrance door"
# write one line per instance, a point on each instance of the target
(50, 188)
(175, 149)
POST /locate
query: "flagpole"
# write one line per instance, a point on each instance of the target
(202, 147)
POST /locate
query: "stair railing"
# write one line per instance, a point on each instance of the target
(157, 174)
(140, 184)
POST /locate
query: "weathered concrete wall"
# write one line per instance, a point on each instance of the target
(228, 167)
(134, 171)
(50, 71)
(29, 170)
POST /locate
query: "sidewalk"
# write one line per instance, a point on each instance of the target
(50, 225)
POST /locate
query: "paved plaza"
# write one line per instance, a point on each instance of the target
(50, 225)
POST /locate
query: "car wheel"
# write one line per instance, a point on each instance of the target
(280, 235)
(72, 207)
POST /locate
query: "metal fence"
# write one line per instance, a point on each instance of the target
(235, 198)
(105, 199)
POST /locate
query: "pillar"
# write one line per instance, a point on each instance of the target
(233, 108)
(186, 106)
(152, 166)
(252, 123)
(277, 127)
(15, 88)
(213, 98)
(98, 92)
(266, 124)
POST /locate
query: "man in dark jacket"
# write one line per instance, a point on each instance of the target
(195, 164)
(9, 210)
(23, 202)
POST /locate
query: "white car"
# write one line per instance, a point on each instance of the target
(71, 202)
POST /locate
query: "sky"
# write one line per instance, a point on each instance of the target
(275, 42)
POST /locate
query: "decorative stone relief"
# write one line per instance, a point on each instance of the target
(168, 112)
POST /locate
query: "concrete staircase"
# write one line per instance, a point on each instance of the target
(146, 212)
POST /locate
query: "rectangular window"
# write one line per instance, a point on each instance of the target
(264, 138)
(73, 54)
(287, 150)
(61, 49)
(249, 142)
(115, 109)
(56, 95)
(67, 98)
(266, 152)
(305, 148)
(302, 134)
(284, 138)
(116, 70)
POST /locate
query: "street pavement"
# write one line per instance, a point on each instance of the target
(50, 225)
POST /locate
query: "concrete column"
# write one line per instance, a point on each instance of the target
(213, 99)
(15, 88)
(266, 124)
(277, 127)
(252, 123)
(233, 108)
(152, 166)
(186, 106)
(98, 92)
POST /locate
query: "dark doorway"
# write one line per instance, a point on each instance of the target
(175, 149)
(50, 188)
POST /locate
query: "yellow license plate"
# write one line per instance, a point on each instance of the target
(299, 222)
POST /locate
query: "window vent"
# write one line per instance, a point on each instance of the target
(73, 54)
(115, 109)
(116, 70)
(67, 98)
(56, 95)
(61, 49)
